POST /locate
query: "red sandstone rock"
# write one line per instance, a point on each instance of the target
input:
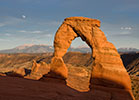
(58, 66)
(38, 70)
(2, 74)
(20, 71)
(108, 70)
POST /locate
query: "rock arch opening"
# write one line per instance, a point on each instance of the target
(78, 54)
(78, 45)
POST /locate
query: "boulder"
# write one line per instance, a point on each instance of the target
(58, 67)
(20, 71)
(38, 70)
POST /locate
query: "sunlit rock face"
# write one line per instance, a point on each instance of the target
(38, 70)
(108, 72)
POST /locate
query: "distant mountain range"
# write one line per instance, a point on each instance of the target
(42, 48)
(127, 50)
(29, 48)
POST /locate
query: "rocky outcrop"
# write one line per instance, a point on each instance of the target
(108, 72)
(16, 72)
(20, 71)
(2, 74)
(38, 70)
(78, 77)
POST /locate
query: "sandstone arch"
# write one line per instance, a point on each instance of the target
(108, 69)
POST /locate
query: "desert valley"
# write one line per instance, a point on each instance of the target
(13, 67)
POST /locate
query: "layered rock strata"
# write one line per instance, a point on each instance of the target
(107, 68)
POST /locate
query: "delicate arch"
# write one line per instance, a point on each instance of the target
(107, 65)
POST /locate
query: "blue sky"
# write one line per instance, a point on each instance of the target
(36, 21)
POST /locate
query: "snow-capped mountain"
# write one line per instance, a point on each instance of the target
(41, 48)
(128, 50)
(30, 48)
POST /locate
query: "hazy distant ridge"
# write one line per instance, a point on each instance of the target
(29, 49)
(128, 50)
(43, 48)
(40, 48)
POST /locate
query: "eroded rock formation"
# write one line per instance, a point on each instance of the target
(108, 70)
(38, 70)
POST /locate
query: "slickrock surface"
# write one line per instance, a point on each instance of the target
(14, 88)
(107, 68)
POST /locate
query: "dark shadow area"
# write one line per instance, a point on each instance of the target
(52, 78)
(106, 83)
(38, 61)
(127, 58)
(116, 90)
(54, 89)
(13, 74)
(27, 71)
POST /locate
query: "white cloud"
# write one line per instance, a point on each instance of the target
(125, 33)
(36, 32)
(50, 23)
(122, 28)
(22, 31)
(112, 30)
(55, 23)
(10, 21)
(7, 34)
(33, 31)
(34, 40)
(4, 40)
(2, 24)
(129, 28)
(48, 35)
(126, 28)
